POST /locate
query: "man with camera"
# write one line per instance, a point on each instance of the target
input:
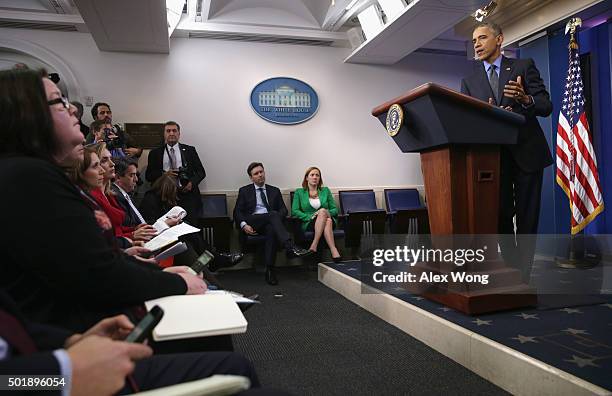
(181, 161)
(102, 131)
(102, 111)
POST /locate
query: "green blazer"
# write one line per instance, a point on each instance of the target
(300, 207)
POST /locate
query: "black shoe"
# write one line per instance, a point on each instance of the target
(337, 259)
(271, 277)
(225, 260)
(294, 251)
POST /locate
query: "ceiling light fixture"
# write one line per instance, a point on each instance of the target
(485, 11)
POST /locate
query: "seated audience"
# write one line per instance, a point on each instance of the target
(97, 362)
(69, 275)
(106, 199)
(314, 205)
(260, 210)
(160, 199)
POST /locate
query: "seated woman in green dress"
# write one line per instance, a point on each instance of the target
(314, 205)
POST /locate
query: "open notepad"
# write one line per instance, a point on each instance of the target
(199, 315)
(170, 236)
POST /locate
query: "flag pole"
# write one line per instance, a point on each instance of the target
(576, 257)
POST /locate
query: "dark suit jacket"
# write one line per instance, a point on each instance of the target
(189, 159)
(68, 276)
(46, 339)
(131, 219)
(531, 153)
(245, 204)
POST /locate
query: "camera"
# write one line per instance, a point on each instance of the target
(183, 175)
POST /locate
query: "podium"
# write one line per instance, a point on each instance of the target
(459, 138)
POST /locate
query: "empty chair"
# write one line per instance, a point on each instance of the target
(362, 215)
(215, 222)
(406, 213)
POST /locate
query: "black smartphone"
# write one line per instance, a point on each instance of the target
(145, 327)
(202, 262)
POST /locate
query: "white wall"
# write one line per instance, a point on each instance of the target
(205, 85)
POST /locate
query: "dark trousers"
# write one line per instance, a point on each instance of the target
(192, 203)
(166, 370)
(272, 227)
(520, 195)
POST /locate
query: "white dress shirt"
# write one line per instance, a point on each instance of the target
(177, 154)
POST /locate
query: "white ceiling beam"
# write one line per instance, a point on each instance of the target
(186, 26)
(421, 22)
(40, 17)
(128, 26)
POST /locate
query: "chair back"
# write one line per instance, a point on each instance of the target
(401, 199)
(357, 201)
(214, 205)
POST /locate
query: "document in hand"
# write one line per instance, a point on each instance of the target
(172, 251)
(170, 236)
(199, 315)
(176, 212)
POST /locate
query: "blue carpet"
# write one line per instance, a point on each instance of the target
(577, 340)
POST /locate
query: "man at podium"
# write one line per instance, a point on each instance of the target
(515, 85)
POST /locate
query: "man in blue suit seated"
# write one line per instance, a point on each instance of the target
(515, 85)
(260, 210)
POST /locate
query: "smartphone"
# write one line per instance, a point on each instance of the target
(145, 327)
(202, 262)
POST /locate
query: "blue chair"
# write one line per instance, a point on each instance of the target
(361, 214)
(406, 213)
(215, 222)
(304, 238)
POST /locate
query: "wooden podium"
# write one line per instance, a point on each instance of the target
(459, 138)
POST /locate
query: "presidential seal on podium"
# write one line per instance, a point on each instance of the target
(395, 117)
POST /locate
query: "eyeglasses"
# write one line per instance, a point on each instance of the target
(63, 100)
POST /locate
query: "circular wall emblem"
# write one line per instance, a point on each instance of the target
(395, 117)
(284, 100)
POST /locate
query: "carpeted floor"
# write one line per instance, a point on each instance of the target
(312, 341)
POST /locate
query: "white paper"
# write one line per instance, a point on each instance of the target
(169, 236)
(172, 251)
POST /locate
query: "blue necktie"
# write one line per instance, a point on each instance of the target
(494, 82)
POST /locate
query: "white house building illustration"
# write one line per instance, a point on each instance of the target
(284, 96)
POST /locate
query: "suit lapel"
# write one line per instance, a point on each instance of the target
(504, 76)
(183, 149)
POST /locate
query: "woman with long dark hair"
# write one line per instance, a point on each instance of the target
(59, 268)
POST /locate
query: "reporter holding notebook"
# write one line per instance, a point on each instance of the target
(58, 266)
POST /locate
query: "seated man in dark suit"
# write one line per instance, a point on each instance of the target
(184, 163)
(97, 361)
(260, 210)
(126, 178)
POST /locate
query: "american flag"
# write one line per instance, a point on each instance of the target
(576, 163)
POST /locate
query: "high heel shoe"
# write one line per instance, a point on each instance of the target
(337, 259)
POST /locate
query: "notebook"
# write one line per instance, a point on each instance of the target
(199, 315)
(170, 236)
